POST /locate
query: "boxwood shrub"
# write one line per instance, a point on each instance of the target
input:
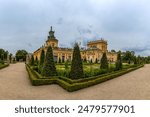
(73, 85)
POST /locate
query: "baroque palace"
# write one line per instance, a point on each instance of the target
(93, 53)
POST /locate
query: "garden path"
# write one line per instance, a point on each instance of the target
(15, 84)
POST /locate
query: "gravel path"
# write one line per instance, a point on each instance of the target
(15, 84)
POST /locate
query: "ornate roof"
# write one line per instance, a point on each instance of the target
(51, 35)
(98, 41)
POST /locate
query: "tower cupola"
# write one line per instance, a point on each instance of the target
(52, 41)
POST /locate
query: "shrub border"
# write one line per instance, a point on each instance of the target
(74, 85)
(3, 66)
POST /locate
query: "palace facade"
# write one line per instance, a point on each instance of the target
(93, 53)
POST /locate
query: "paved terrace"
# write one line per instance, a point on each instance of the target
(15, 84)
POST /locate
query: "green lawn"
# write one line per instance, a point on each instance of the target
(3, 65)
(88, 67)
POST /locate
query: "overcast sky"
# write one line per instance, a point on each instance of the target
(125, 24)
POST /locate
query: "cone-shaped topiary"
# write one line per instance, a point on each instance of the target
(49, 68)
(36, 62)
(85, 60)
(91, 61)
(59, 60)
(119, 61)
(32, 61)
(96, 61)
(104, 62)
(41, 63)
(66, 65)
(76, 65)
(42, 57)
(63, 60)
(135, 60)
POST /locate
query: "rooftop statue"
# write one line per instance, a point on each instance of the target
(51, 34)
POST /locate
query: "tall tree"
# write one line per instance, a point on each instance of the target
(113, 51)
(119, 61)
(32, 60)
(147, 59)
(59, 60)
(76, 65)
(85, 60)
(10, 57)
(49, 68)
(128, 56)
(96, 61)
(6, 55)
(135, 60)
(91, 61)
(41, 62)
(66, 65)
(42, 57)
(63, 60)
(139, 59)
(3, 54)
(36, 62)
(104, 62)
(21, 55)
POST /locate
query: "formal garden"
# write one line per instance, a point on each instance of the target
(78, 74)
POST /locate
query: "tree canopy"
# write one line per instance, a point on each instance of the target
(3, 54)
(21, 55)
(128, 56)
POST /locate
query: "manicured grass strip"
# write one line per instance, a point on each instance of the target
(95, 77)
(73, 85)
(77, 86)
(3, 66)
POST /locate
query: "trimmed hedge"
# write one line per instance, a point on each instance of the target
(94, 77)
(3, 66)
(73, 85)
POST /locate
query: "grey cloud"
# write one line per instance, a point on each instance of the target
(60, 21)
(137, 49)
(122, 23)
(82, 30)
(143, 51)
(87, 33)
(30, 45)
